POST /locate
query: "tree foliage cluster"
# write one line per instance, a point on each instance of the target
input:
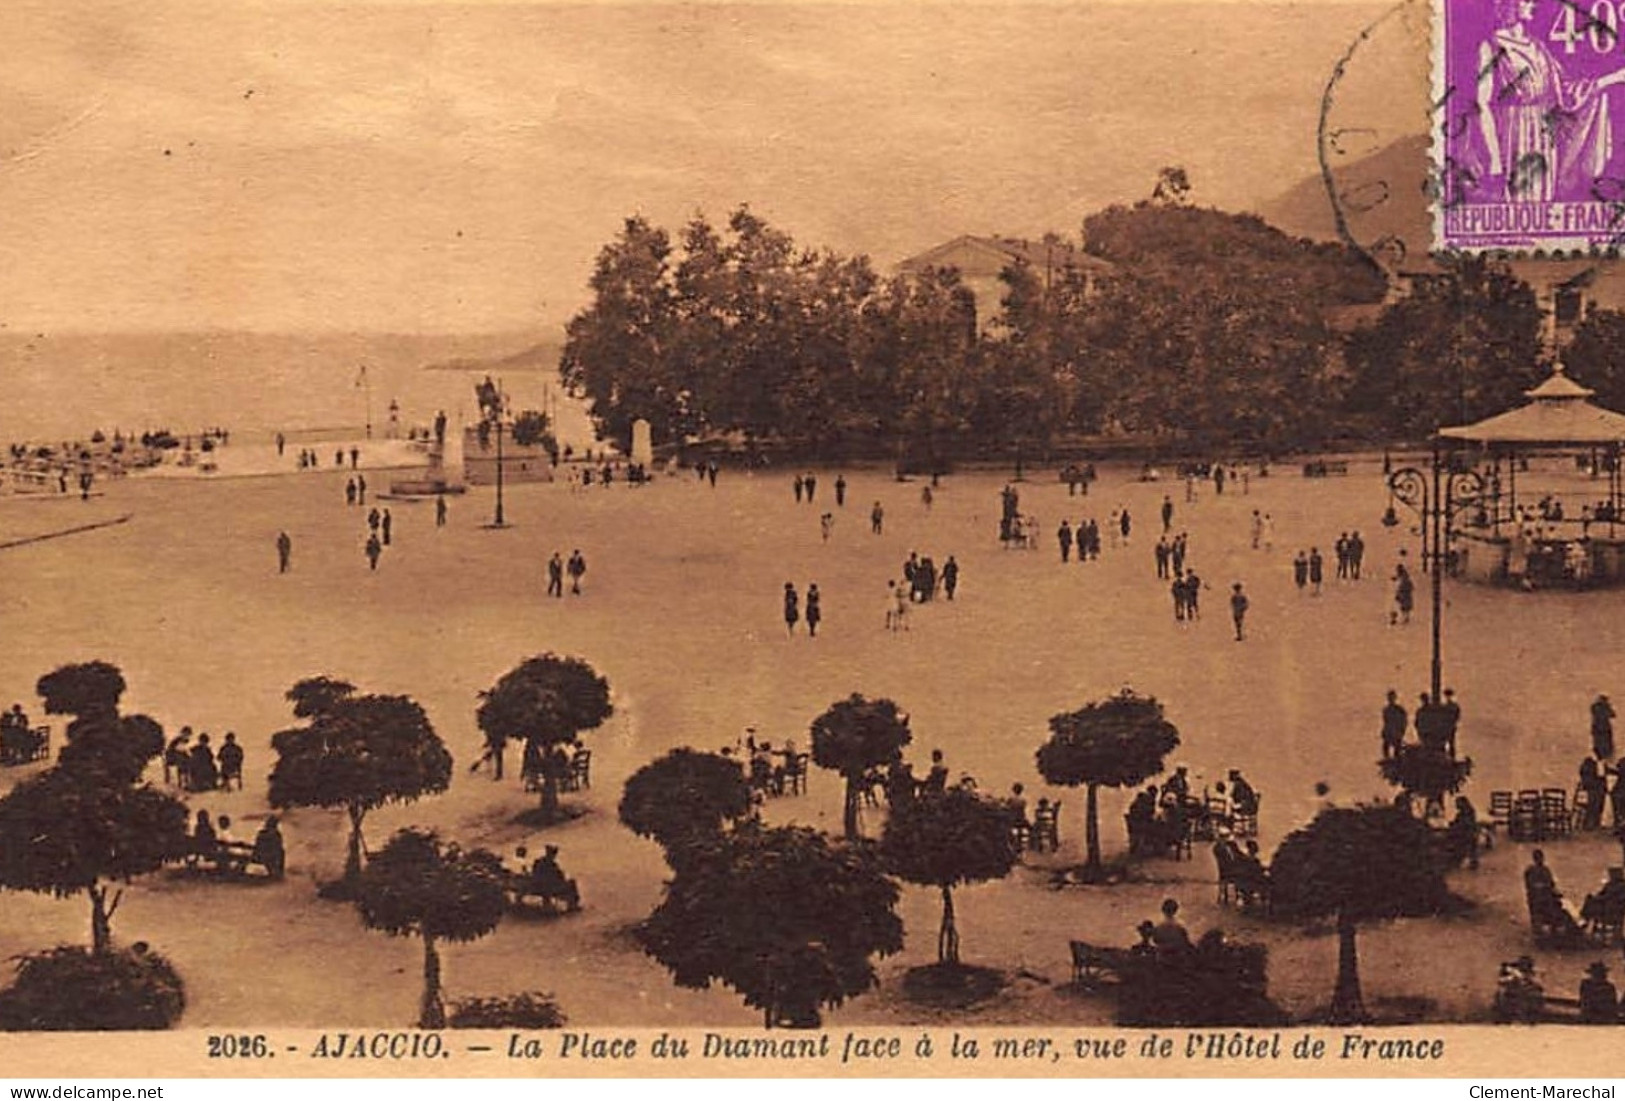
(72, 989)
(1208, 328)
(785, 916)
(90, 823)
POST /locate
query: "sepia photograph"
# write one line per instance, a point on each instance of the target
(767, 521)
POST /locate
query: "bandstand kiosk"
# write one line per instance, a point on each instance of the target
(1571, 538)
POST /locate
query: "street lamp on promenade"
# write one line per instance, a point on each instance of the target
(1436, 503)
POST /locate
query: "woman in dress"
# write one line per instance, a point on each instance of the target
(792, 608)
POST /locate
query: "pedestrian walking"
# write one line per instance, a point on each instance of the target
(1356, 555)
(1317, 567)
(1125, 524)
(1238, 608)
(811, 482)
(1300, 571)
(355, 458)
(1167, 513)
(440, 510)
(555, 575)
(1404, 596)
(840, 490)
(826, 525)
(577, 568)
(926, 497)
(281, 442)
(349, 492)
(800, 487)
(950, 576)
(815, 609)
(374, 518)
(385, 525)
(1602, 729)
(1063, 535)
(374, 549)
(877, 519)
(284, 552)
(361, 489)
(792, 608)
(1258, 528)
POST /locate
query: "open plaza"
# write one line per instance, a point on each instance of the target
(681, 611)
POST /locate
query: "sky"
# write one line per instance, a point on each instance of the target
(426, 167)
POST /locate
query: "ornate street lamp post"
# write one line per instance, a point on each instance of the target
(1437, 504)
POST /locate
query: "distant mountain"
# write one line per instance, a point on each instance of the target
(537, 357)
(1383, 196)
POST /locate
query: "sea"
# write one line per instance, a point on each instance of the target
(57, 387)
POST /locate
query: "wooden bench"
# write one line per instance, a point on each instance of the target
(1093, 966)
(519, 888)
(1325, 468)
(231, 860)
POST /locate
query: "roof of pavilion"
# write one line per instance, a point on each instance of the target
(1559, 413)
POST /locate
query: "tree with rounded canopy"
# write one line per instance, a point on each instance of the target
(77, 830)
(417, 886)
(1116, 742)
(544, 701)
(684, 796)
(784, 916)
(84, 690)
(1426, 770)
(1359, 864)
(99, 737)
(355, 752)
(944, 839)
(855, 735)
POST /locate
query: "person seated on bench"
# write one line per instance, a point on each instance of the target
(1547, 914)
(1606, 908)
(1461, 836)
(1142, 821)
(205, 843)
(18, 742)
(1170, 935)
(1148, 936)
(1599, 1001)
(547, 880)
(1251, 877)
(1243, 796)
(1518, 996)
(269, 852)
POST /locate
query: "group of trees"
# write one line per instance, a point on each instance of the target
(793, 920)
(1208, 329)
(789, 917)
(90, 824)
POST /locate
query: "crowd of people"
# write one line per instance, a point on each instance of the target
(197, 766)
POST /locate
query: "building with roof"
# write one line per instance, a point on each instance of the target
(981, 260)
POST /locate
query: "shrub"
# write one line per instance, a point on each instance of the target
(72, 989)
(531, 1009)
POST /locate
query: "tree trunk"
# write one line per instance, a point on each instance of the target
(496, 759)
(850, 813)
(948, 936)
(1348, 1007)
(352, 859)
(433, 1013)
(1091, 826)
(101, 922)
(550, 796)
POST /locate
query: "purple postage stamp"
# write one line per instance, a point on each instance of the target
(1527, 94)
